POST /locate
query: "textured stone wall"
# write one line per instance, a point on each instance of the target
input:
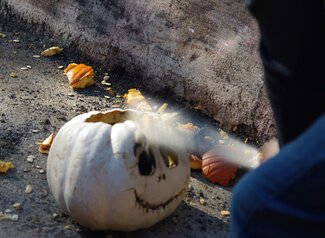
(205, 51)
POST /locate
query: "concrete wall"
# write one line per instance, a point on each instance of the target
(203, 50)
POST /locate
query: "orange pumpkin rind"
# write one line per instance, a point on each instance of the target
(79, 75)
(217, 170)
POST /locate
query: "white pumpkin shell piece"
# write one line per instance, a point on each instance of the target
(105, 173)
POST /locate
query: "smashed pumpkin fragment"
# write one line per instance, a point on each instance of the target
(136, 100)
(195, 162)
(5, 166)
(79, 75)
(188, 126)
(45, 146)
(51, 51)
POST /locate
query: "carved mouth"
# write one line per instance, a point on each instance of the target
(147, 206)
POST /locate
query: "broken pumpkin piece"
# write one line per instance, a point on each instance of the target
(162, 108)
(45, 146)
(5, 166)
(11, 217)
(79, 75)
(195, 162)
(188, 126)
(51, 51)
(136, 100)
(217, 170)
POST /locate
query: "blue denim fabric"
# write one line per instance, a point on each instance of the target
(285, 196)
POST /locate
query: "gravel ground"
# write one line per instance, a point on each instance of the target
(37, 101)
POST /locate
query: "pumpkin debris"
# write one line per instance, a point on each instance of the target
(79, 75)
(104, 82)
(223, 134)
(5, 166)
(188, 126)
(203, 201)
(195, 162)
(30, 158)
(41, 171)
(29, 189)
(13, 75)
(16, 205)
(54, 50)
(225, 213)
(11, 217)
(136, 100)
(162, 108)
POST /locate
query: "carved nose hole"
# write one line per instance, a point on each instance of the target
(161, 177)
(169, 156)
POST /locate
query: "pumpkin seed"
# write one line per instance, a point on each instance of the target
(29, 189)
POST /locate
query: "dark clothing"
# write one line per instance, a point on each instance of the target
(285, 196)
(292, 51)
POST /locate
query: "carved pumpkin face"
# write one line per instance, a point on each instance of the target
(105, 173)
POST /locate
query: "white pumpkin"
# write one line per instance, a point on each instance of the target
(105, 173)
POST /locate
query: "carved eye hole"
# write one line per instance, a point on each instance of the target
(169, 156)
(147, 163)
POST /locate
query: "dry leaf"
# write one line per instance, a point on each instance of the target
(136, 100)
(52, 51)
(79, 75)
(5, 166)
(45, 146)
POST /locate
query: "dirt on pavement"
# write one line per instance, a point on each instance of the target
(35, 101)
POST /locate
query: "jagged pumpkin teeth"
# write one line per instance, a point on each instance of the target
(79, 75)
